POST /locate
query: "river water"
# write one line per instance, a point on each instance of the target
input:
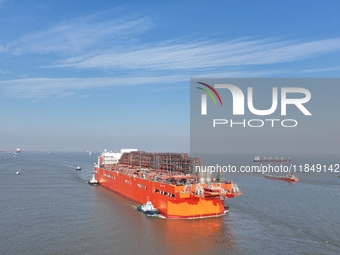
(50, 209)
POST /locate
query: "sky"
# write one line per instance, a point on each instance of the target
(93, 75)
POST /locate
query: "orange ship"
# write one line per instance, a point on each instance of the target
(165, 179)
(287, 178)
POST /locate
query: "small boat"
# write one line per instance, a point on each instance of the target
(17, 173)
(78, 168)
(226, 209)
(148, 209)
(93, 180)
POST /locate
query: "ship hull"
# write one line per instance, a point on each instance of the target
(275, 178)
(282, 178)
(291, 179)
(169, 199)
(272, 161)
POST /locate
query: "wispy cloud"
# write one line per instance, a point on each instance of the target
(79, 36)
(321, 70)
(56, 87)
(100, 43)
(63, 87)
(103, 43)
(206, 55)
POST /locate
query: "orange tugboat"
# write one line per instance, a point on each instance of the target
(287, 178)
(167, 181)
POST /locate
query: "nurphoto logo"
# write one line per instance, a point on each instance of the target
(238, 104)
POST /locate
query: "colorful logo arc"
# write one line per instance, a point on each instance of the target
(209, 93)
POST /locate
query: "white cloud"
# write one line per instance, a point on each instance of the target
(79, 36)
(200, 56)
(61, 87)
(64, 87)
(324, 69)
(101, 43)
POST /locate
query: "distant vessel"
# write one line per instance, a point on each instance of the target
(148, 209)
(257, 159)
(93, 180)
(17, 150)
(78, 168)
(287, 178)
(17, 173)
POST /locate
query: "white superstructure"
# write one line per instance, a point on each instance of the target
(111, 158)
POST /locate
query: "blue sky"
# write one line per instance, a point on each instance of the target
(89, 75)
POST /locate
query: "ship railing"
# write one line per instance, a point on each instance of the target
(199, 190)
(223, 193)
(235, 189)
